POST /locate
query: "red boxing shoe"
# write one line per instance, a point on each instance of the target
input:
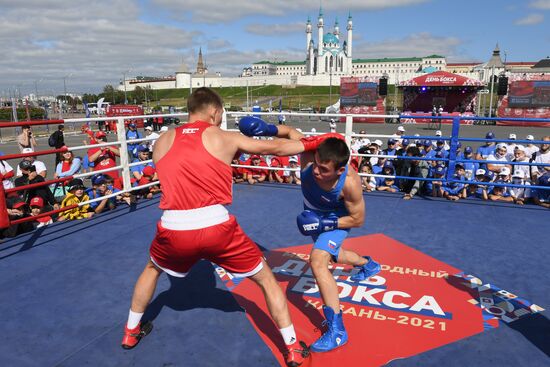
(132, 337)
(296, 354)
(312, 143)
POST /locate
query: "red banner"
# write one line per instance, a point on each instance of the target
(441, 79)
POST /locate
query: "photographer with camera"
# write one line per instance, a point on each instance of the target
(26, 139)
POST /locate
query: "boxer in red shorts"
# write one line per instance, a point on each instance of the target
(193, 166)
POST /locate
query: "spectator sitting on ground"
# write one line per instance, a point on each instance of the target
(435, 188)
(68, 166)
(387, 169)
(455, 190)
(541, 196)
(519, 156)
(378, 167)
(475, 190)
(37, 206)
(500, 156)
(415, 169)
(275, 175)
(520, 194)
(367, 182)
(75, 196)
(125, 197)
(152, 135)
(149, 175)
(105, 157)
(499, 193)
(530, 148)
(388, 185)
(17, 209)
(256, 175)
(293, 174)
(427, 151)
(99, 189)
(484, 151)
(30, 176)
(26, 140)
(40, 166)
(238, 172)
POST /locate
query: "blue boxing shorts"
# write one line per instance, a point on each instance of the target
(331, 242)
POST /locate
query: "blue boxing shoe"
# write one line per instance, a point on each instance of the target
(366, 271)
(335, 336)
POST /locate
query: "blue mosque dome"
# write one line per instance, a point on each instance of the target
(330, 38)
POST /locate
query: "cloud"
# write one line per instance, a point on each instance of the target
(540, 4)
(415, 45)
(94, 41)
(275, 30)
(530, 19)
(211, 11)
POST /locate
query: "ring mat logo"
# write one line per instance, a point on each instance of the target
(416, 303)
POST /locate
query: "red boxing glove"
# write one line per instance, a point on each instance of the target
(312, 143)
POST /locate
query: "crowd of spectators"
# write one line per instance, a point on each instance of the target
(67, 195)
(469, 179)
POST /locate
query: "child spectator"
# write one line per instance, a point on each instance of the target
(435, 188)
(76, 196)
(455, 190)
(367, 182)
(238, 172)
(388, 185)
(541, 196)
(500, 156)
(68, 166)
(478, 191)
(293, 175)
(256, 175)
(149, 175)
(499, 193)
(469, 167)
(126, 197)
(504, 175)
(276, 175)
(99, 189)
(143, 155)
(520, 194)
(37, 206)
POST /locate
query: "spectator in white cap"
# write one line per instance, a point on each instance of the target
(542, 156)
(510, 146)
(398, 136)
(151, 135)
(504, 174)
(500, 156)
(530, 149)
(519, 156)
(293, 176)
(519, 193)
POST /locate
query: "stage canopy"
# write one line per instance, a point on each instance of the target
(441, 79)
(452, 92)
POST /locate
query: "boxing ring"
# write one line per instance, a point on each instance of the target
(67, 286)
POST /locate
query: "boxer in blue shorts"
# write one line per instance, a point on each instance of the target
(333, 203)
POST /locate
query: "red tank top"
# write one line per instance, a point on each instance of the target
(190, 176)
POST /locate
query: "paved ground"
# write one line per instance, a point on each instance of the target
(73, 137)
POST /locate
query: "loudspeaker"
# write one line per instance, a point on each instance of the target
(383, 86)
(502, 88)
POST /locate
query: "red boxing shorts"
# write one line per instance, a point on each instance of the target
(225, 244)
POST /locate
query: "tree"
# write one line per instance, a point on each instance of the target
(139, 95)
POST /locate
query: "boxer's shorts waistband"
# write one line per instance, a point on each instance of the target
(186, 220)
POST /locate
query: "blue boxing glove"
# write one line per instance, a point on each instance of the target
(253, 126)
(311, 224)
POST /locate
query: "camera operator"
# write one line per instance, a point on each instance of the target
(26, 139)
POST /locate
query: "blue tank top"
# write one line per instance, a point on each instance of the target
(319, 200)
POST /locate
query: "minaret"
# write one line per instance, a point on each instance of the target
(349, 44)
(320, 27)
(308, 34)
(337, 29)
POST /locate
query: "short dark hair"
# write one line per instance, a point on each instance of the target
(414, 152)
(334, 150)
(202, 98)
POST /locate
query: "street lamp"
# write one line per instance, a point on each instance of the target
(124, 81)
(492, 85)
(36, 87)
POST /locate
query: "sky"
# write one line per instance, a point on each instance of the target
(81, 46)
